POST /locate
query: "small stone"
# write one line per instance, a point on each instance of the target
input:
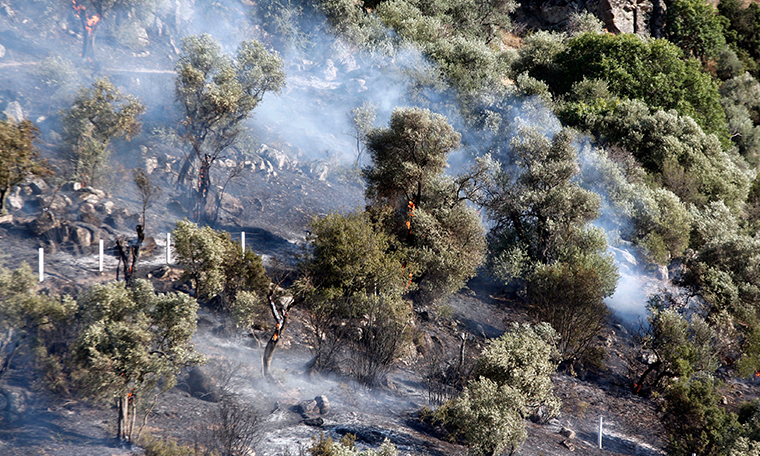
(307, 406)
(6, 219)
(568, 444)
(161, 271)
(566, 432)
(323, 403)
(38, 186)
(71, 187)
(316, 422)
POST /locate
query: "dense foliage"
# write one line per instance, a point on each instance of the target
(19, 158)
(511, 381)
(216, 94)
(98, 115)
(217, 266)
(417, 203)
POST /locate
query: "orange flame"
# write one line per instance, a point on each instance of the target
(410, 211)
(757, 374)
(274, 336)
(89, 21)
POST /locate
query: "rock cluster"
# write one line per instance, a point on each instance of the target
(313, 410)
(71, 217)
(644, 17)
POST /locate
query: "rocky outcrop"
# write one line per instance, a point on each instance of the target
(643, 17)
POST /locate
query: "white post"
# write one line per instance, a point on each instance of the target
(242, 241)
(601, 421)
(168, 247)
(42, 264)
(100, 257)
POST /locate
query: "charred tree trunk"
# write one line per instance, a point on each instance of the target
(129, 252)
(281, 320)
(3, 193)
(90, 26)
(123, 431)
(204, 184)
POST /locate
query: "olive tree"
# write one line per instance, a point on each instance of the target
(542, 239)
(216, 265)
(19, 158)
(99, 114)
(353, 282)
(32, 321)
(132, 341)
(512, 380)
(424, 209)
(695, 27)
(216, 93)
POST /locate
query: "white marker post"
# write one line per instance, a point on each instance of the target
(100, 256)
(601, 424)
(168, 248)
(42, 264)
(242, 241)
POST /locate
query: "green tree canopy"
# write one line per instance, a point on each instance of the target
(695, 27)
(673, 148)
(132, 341)
(19, 158)
(512, 380)
(216, 93)
(653, 71)
(98, 115)
(216, 264)
(355, 278)
(412, 198)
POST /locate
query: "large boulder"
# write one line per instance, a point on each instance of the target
(80, 236)
(278, 158)
(38, 186)
(15, 201)
(43, 224)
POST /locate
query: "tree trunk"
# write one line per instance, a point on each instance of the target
(204, 184)
(281, 319)
(3, 193)
(123, 422)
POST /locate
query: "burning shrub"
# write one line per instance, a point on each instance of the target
(423, 209)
